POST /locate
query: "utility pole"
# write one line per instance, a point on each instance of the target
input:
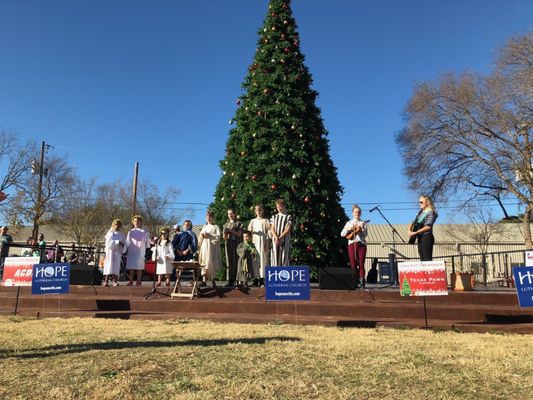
(35, 231)
(134, 195)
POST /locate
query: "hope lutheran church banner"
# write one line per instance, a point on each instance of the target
(422, 278)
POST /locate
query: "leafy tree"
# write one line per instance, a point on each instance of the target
(278, 147)
(470, 135)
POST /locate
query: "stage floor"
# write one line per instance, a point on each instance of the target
(476, 311)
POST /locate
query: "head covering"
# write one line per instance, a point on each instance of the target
(176, 227)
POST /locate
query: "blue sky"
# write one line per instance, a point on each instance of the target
(112, 82)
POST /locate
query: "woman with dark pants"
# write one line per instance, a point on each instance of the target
(355, 231)
(422, 228)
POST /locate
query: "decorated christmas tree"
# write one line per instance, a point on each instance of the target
(406, 288)
(278, 148)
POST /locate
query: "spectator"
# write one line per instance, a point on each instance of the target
(5, 241)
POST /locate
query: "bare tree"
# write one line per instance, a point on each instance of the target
(471, 135)
(58, 180)
(154, 206)
(88, 211)
(17, 159)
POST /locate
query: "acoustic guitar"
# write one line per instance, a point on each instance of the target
(350, 235)
(416, 226)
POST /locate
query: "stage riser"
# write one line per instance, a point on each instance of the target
(227, 306)
(500, 298)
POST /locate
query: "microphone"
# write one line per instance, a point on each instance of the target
(374, 209)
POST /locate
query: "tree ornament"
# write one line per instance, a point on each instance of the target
(282, 61)
(307, 199)
(266, 90)
(265, 41)
(254, 134)
(286, 50)
(294, 176)
(274, 28)
(285, 22)
(274, 186)
(254, 178)
(309, 248)
(283, 36)
(233, 195)
(222, 198)
(243, 153)
(302, 227)
(293, 127)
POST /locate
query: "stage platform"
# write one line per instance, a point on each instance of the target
(477, 311)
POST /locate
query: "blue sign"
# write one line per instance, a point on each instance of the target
(287, 283)
(523, 278)
(50, 278)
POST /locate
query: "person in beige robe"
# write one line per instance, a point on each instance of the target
(209, 255)
(260, 228)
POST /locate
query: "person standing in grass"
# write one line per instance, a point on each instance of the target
(137, 241)
(209, 244)
(114, 247)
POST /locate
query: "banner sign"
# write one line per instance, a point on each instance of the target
(50, 278)
(18, 270)
(287, 283)
(422, 278)
(529, 258)
(523, 278)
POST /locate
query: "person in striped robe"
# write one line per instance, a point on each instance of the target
(280, 229)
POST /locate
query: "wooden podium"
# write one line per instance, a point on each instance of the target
(180, 267)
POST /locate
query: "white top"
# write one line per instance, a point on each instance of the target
(350, 225)
(137, 242)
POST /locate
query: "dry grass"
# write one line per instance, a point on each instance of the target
(116, 359)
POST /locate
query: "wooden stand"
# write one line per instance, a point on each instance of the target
(181, 266)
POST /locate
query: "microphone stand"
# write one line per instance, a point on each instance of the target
(394, 266)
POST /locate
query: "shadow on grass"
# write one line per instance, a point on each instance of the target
(56, 350)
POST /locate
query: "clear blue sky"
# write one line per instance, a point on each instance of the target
(111, 82)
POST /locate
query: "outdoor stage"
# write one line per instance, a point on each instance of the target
(477, 311)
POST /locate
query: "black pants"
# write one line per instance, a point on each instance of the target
(425, 246)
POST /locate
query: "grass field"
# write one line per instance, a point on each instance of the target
(125, 359)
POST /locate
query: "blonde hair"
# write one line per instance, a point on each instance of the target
(429, 200)
(118, 222)
(137, 216)
(354, 206)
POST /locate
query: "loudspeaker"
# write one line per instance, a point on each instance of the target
(337, 278)
(85, 275)
(385, 272)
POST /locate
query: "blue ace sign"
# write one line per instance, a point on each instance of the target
(287, 283)
(50, 278)
(523, 277)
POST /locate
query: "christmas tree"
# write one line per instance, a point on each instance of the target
(278, 148)
(406, 288)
